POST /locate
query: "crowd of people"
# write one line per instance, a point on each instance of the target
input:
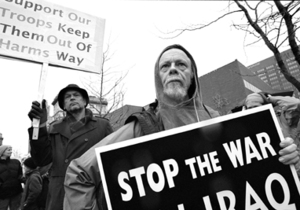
(65, 149)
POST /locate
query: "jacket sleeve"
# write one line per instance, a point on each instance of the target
(41, 150)
(83, 182)
(35, 188)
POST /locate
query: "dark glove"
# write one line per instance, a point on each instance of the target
(38, 112)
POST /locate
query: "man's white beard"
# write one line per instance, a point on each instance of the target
(176, 91)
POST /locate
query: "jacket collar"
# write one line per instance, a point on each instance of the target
(63, 128)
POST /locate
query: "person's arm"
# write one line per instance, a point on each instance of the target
(83, 177)
(41, 148)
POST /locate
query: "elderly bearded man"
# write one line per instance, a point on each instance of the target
(66, 139)
(179, 103)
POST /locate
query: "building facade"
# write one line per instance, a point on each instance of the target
(268, 71)
(224, 88)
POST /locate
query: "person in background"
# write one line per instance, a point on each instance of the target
(288, 114)
(44, 172)
(66, 139)
(33, 186)
(10, 180)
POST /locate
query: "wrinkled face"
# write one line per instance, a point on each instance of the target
(73, 101)
(7, 152)
(176, 74)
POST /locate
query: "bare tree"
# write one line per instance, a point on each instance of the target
(107, 86)
(273, 22)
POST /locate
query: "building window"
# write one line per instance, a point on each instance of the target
(293, 67)
(263, 77)
(274, 78)
(271, 75)
(276, 87)
(260, 71)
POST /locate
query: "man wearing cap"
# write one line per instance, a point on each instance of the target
(66, 139)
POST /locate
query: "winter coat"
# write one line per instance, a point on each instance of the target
(32, 190)
(60, 147)
(10, 178)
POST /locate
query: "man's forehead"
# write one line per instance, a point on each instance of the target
(174, 54)
(72, 92)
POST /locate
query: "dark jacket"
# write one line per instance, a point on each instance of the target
(10, 178)
(32, 190)
(60, 147)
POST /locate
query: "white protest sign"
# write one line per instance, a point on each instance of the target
(230, 162)
(48, 33)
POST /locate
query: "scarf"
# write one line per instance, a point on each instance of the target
(77, 125)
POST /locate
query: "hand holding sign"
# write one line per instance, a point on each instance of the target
(289, 153)
(38, 112)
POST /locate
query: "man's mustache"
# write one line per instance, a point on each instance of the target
(174, 79)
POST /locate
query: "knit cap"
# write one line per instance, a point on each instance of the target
(29, 163)
(254, 97)
(3, 148)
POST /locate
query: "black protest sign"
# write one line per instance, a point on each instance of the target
(230, 162)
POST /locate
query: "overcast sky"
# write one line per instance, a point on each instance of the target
(133, 32)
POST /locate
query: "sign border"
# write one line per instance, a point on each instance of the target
(185, 128)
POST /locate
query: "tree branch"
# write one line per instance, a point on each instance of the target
(181, 31)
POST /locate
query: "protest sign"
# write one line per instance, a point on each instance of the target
(229, 162)
(44, 32)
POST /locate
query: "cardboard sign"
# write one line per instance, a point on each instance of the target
(229, 162)
(44, 32)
